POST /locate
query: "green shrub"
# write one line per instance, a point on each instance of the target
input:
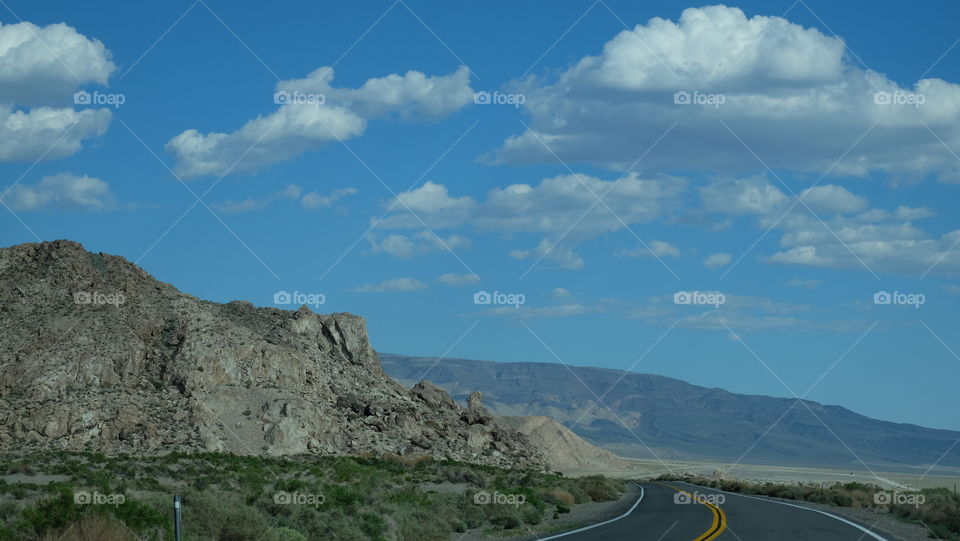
(599, 488)
(288, 534)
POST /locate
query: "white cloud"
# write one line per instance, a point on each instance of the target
(559, 253)
(309, 201)
(657, 248)
(430, 202)
(432, 198)
(560, 293)
(64, 191)
(844, 233)
(913, 213)
(48, 133)
(291, 191)
(42, 65)
(714, 261)
(392, 285)
(562, 209)
(315, 200)
(741, 313)
(452, 279)
(789, 93)
(832, 199)
(886, 244)
(750, 195)
(295, 128)
(422, 242)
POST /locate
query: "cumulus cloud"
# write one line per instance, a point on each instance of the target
(877, 241)
(422, 242)
(63, 191)
(453, 279)
(750, 195)
(40, 67)
(834, 228)
(787, 91)
(316, 200)
(560, 253)
(291, 191)
(878, 247)
(562, 209)
(831, 199)
(714, 261)
(310, 200)
(913, 213)
(560, 293)
(741, 313)
(653, 248)
(392, 285)
(48, 133)
(301, 125)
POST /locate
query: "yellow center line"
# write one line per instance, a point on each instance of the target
(719, 517)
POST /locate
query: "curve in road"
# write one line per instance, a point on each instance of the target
(670, 512)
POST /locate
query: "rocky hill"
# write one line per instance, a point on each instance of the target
(96, 354)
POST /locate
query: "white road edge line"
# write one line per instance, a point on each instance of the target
(831, 515)
(597, 525)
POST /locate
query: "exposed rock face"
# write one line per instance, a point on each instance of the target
(96, 354)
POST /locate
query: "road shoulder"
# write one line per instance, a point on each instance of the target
(579, 516)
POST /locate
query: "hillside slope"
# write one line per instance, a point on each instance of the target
(675, 419)
(95, 354)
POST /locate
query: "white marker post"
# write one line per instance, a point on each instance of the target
(176, 517)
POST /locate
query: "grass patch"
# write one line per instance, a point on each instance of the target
(239, 498)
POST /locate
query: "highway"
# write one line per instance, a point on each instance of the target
(683, 512)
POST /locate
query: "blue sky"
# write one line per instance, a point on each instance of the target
(794, 157)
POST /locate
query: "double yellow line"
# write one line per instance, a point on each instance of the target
(719, 517)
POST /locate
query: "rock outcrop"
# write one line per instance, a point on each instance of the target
(96, 354)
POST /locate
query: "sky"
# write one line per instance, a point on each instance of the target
(758, 197)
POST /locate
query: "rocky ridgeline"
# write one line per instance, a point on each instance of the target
(96, 354)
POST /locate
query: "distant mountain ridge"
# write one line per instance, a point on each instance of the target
(655, 415)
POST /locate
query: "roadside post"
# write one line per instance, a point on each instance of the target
(176, 518)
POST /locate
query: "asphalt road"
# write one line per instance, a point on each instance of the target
(683, 512)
